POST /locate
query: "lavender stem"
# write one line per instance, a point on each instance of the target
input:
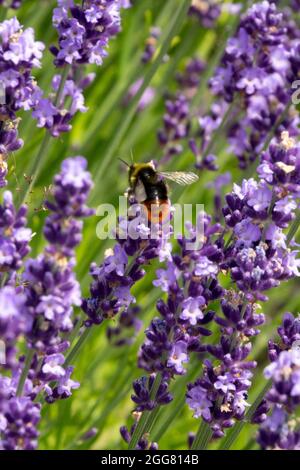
(73, 353)
(293, 230)
(25, 371)
(202, 437)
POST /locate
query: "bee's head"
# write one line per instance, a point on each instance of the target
(145, 171)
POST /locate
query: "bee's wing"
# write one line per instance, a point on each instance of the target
(180, 177)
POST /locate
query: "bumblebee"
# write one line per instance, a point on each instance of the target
(149, 188)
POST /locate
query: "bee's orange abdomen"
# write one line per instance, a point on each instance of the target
(158, 210)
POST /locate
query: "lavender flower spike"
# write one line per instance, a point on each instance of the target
(19, 55)
(52, 287)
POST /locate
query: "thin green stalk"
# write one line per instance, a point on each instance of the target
(294, 228)
(234, 432)
(25, 371)
(4, 279)
(38, 161)
(146, 418)
(202, 437)
(175, 27)
(75, 350)
(169, 420)
(152, 419)
(63, 80)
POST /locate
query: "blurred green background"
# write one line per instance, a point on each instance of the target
(106, 372)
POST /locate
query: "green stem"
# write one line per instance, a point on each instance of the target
(293, 230)
(175, 27)
(75, 350)
(146, 418)
(36, 166)
(202, 437)
(61, 87)
(4, 279)
(25, 371)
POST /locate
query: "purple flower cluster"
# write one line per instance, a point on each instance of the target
(146, 98)
(171, 337)
(85, 30)
(280, 429)
(52, 287)
(38, 303)
(258, 213)
(121, 269)
(19, 55)
(207, 11)
(18, 424)
(219, 396)
(56, 116)
(257, 258)
(151, 44)
(253, 82)
(14, 238)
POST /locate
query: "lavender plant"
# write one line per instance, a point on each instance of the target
(175, 333)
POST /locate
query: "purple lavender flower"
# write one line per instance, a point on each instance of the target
(176, 126)
(178, 331)
(285, 375)
(208, 11)
(146, 98)
(219, 396)
(189, 79)
(254, 76)
(258, 212)
(84, 31)
(121, 269)
(20, 418)
(14, 317)
(280, 430)
(198, 402)
(151, 44)
(56, 117)
(14, 237)
(51, 287)
(295, 4)
(20, 54)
